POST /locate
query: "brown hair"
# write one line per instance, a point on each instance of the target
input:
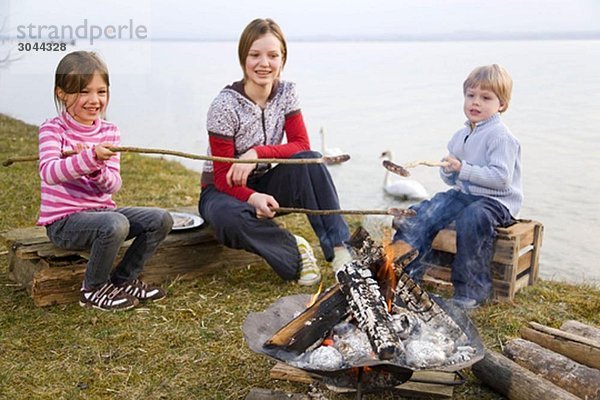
(75, 71)
(255, 30)
(491, 77)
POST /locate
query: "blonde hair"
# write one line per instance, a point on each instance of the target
(75, 71)
(491, 77)
(254, 30)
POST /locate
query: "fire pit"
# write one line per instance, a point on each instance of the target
(371, 330)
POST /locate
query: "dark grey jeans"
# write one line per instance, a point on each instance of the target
(306, 186)
(102, 232)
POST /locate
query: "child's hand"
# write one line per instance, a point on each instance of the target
(263, 203)
(238, 173)
(103, 153)
(79, 147)
(454, 164)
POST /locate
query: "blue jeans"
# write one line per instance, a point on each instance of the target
(292, 185)
(102, 232)
(476, 220)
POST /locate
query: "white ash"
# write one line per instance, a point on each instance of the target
(422, 346)
(354, 345)
(428, 348)
(405, 324)
(463, 354)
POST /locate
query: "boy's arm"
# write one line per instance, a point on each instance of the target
(502, 154)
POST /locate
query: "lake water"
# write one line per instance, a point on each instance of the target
(374, 96)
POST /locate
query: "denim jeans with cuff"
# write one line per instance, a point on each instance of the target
(476, 220)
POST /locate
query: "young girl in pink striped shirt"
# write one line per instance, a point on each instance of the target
(79, 174)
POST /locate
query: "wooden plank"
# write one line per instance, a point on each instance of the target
(22, 271)
(521, 230)
(587, 354)
(20, 234)
(440, 276)
(421, 383)
(537, 247)
(515, 382)
(445, 240)
(284, 372)
(505, 251)
(524, 262)
(267, 394)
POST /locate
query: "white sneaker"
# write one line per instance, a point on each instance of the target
(310, 273)
(341, 257)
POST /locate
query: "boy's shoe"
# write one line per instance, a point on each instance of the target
(142, 291)
(341, 257)
(310, 273)
(107, 297)
(465, 303)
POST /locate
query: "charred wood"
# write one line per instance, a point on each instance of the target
(369, 308)
(313, 324)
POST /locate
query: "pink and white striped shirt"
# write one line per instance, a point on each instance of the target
(78, 182)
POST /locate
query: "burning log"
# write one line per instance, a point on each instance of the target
(369, 308)
(576, 378)
(313, 324)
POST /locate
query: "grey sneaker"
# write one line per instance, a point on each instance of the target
(310, 273)
(465, 303)
(107, 297)
(142, 291)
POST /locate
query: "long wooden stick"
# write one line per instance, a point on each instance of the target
(426, 163)
(396, 212)
(322, 160)
(402, 170)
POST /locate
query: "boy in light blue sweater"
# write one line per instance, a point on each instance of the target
(484, 170)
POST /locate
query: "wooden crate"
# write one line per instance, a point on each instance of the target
(515, 263)
(53, 275)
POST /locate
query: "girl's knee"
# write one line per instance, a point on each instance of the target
(115, 225)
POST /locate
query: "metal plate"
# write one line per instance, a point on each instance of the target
(184, 221)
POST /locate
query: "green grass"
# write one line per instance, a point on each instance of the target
(191, 344)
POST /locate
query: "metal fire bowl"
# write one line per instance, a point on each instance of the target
(260, 326)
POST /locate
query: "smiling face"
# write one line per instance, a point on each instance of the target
(89, 104)
(480, 104)
(264, 62)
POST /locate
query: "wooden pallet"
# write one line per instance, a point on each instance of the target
(515, 263)
(53, 275)
(423, 384)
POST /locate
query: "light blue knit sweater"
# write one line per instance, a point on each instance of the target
(491, 163)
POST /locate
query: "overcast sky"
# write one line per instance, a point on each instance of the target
(225, 19)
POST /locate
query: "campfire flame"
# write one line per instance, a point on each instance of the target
(387, 274)
(314, 297)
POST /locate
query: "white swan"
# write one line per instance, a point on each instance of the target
(402, 188)
(328, 152)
